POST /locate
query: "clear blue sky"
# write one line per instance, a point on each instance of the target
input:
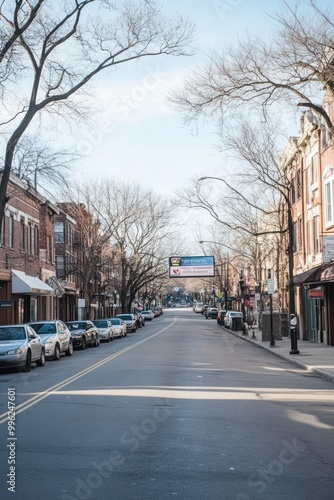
(138, 136)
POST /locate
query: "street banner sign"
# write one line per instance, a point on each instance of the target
(191, 267)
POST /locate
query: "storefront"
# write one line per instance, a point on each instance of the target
(317, 291)
(32, 298)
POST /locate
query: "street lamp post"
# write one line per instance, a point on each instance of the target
(270, 292)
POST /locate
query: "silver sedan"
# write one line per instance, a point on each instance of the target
(20, 346)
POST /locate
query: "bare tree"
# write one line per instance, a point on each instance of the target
(49, 52)
(139, 228)
(295, 67)
(254, 206)
(42, 167)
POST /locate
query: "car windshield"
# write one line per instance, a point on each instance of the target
(77, 325)
(115, 321)
(126, 316)
(12, 333)
(44, 328)
(100, 324)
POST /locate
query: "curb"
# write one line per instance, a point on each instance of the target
(317, 371)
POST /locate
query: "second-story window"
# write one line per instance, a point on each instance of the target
(49, 249)
(36, 240)
(294, 244)
(2, 234)
(22, 235)
(328, 203)
(314, 164)
(11, 231)
(60, 266)
(299, 184)
(29, 239)
(316, 234)
(293, 191)
(59, 232)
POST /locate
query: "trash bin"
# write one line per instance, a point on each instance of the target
(237, 324)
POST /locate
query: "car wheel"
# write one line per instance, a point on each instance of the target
(41, 361)
(27, 366)
(56, 355)
(69, 351)
(83, 343)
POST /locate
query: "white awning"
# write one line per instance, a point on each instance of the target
(29, 285)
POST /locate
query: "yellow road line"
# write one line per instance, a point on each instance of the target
(44, 394)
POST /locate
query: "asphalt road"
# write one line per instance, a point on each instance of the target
(180, 409)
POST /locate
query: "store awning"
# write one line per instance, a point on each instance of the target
(29, 285)
(322, 274)
(318, 274)
(300, 279)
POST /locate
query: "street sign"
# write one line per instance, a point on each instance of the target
(5, 303)
(271, 286)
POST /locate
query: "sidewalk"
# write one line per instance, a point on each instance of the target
(313, 357)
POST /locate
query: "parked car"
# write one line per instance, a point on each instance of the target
(20, 346)
(55, 336)
(119, 327)
(140, 321)
(104, 327)
(148, 314)
(198, 307)
(232, 318)
(84, 333)
(211, 312)
(221, 316)
(130, 321)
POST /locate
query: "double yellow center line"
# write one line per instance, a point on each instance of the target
(44, 394)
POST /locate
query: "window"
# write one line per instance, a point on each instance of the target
(59, 232)
(22, 235)
(36, 240)
(294, 243)
(316, 237)
(299, 184)
(49, 249)
(2, 234)
(328, 203)
(11, 231)
(300, 233)
(308, 183)
(60, 266)
(314, 167)
(29, 238)
(293, 191)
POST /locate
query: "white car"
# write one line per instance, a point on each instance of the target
(198, 307)
(119, 327)
(148, 314)
(55, 336)
(230, 315)
(105, 329)
(20, 346)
